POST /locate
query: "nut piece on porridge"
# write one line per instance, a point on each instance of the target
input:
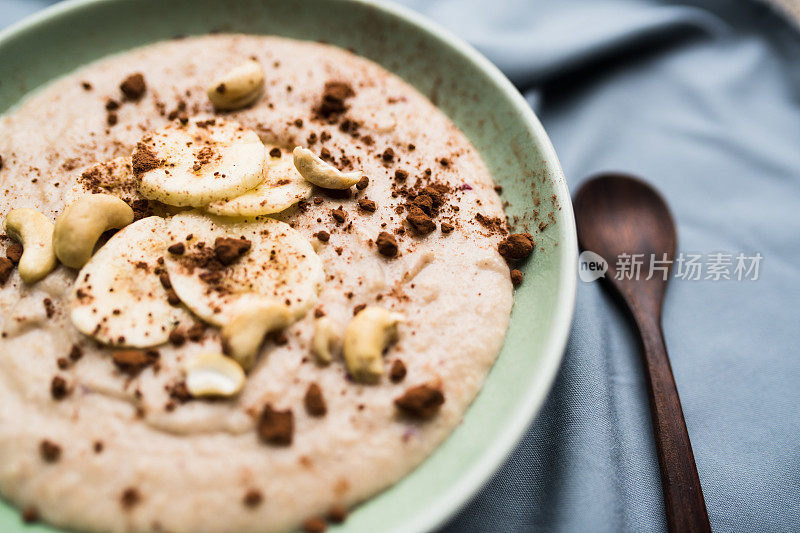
(78, 228)
(243, 335)
(35, 232)
(326, 339)
(212, 374)
(321, 173)
(366, 337)
(237, 88)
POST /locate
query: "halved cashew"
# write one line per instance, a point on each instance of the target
(366, 337)
(213, 374)
(320, 173)
(81, 224)
(34, 231)
(325, 340)
(243, 334)
(237, 88)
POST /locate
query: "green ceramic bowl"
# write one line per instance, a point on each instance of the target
(475, 95)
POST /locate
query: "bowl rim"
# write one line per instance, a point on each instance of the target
(479, 472)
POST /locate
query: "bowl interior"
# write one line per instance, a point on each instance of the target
(474, 95)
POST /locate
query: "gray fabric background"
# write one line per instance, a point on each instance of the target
(703, 99)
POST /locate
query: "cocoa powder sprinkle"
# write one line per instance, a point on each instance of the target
(421, 401)
(314, 401)
(134, 86)
(276, 427)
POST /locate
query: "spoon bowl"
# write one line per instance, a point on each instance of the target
(620, 214)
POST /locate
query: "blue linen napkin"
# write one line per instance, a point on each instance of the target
(702, 98)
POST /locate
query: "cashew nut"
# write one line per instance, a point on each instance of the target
(81, 224)
(213, 374)
(325, 340)
(320, 173)
(34, 231)
(243, 334)
(366, 337)
(237, 88)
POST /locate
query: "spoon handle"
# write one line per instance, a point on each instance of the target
(683, 496)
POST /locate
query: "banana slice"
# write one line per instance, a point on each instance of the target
(283, 186)
(200, 162)
(216, 279)
(118, 298)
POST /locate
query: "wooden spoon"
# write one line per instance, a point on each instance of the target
(615, 215)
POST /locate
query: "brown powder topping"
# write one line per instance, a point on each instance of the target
(424, 202)
(14, 252)
(75, 352)
(437, 192)
(144, 159)
(367, 205)
(400, 175)
(339, 215)
(203, 157)
(49, 307)
(516, 277)
(421, 401)
(447, 228)
(337, 513)
(252, 498)
(323, 236)
(130, 498)
(276, 427)
(420, 222)
(141, 209)
(177, 338)
(163, 278)
(314, 524)
(516, 246)
(172, 297)
(397, 372)
(30, 515)
(314, 401)
(388, 155)
(49, 451)
(363, 183)
(387, 244)
(334, 98)
(133, 87)
(6, 268)
(228, 250)
(177, 248)
(195, 332)
(58, 388)
(133, 361)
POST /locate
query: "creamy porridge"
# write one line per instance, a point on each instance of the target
(282, 275)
